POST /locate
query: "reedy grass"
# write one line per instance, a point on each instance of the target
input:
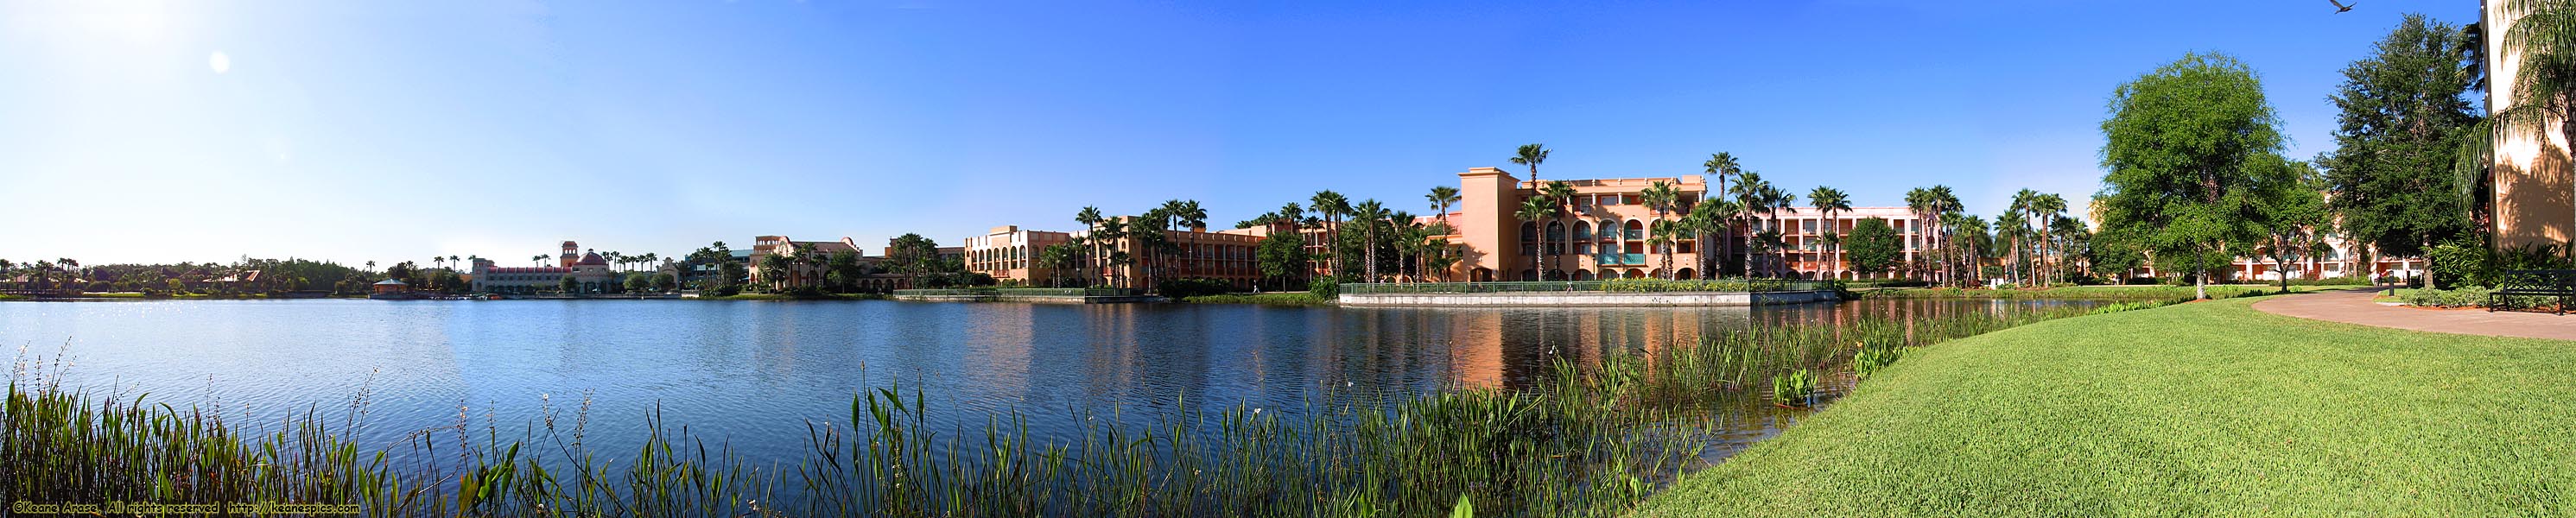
(1585, 440)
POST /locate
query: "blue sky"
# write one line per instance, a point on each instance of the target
(386, 131)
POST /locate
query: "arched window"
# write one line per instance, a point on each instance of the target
(1555, 238)
(1529, 232)
(1636, 230)
(1582, 230)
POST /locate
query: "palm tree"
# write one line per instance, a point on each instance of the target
(1776, 201)
(1831, 202)
(1661, 198)
(1111, 231)
(1370, 215)
(1331, 206)
(1725, 167)
(1749, 200)
(1533, 210)
(1707, 218)
(1090, 220)
(1562, 194)
(1661, 236)
(452, 262)
(1530, 155)
(2046, 209)
(1441, 198)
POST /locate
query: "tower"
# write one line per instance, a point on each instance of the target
(571, 254)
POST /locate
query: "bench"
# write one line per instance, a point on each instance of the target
(2559, 285)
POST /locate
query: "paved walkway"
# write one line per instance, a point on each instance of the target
(2355, 307)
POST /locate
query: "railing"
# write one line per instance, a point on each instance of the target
(949, 292)
(1620, 259)
(1620, 286)
(1023, 292)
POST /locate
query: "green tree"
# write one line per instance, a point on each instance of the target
(913, 255)
(1873, 247)
(2403, 116)
(2295, 217)
(1442, 197)
(566, 285)
(2183, 145)
(1060, 259)
(1662, 198)
(665, 282)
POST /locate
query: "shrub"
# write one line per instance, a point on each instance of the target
(2466, 296)
(1643, 285)
(1325, 287)
(1192, 287)
(2461, 263)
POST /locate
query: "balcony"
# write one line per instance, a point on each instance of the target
(1620, 259)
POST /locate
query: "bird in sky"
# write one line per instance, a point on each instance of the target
(2340, 8)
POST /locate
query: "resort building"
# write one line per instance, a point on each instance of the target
(587, 269)
(1009, 253)
(803, 272)
(1602, 237)
(1807, 255)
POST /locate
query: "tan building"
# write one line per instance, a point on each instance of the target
(2531, 197)
(1603, 238)
(803, 274)
(1009, 253)
(589, 271)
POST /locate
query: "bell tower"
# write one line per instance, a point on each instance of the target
(571, 254)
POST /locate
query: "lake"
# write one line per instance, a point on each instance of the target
(756, 372)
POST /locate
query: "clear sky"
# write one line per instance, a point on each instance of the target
(355, 131)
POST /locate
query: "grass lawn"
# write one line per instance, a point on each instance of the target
(2143, 291)
(2194, 409)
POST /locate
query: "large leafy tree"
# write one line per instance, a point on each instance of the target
(2295, 219)
(2183, 147)
(1873, 247)
(2403, 116)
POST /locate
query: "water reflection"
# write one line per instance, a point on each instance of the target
(758, 372)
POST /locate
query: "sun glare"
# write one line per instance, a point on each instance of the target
(219, 62)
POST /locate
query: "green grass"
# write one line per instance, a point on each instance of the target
(1289, 298)
(2113, 292)
(2207, 408)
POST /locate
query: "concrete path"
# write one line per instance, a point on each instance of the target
(2355, 307)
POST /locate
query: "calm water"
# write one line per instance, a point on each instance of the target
(756, 372)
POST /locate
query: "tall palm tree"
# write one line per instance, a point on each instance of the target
(1748, 198)
(539, 260)
(1370, 215)
(1708, 218)
(1562, 194)
(1531, 155)
(1090, 219)
(1331, 206)
(1661, 197)
(1661, 236)
(1725, 167)
(2014, 226)
(1441, 197)
(1534, 210)
(2047, 208)
(1831, 202)
(1776, 201)
(1111, 232)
